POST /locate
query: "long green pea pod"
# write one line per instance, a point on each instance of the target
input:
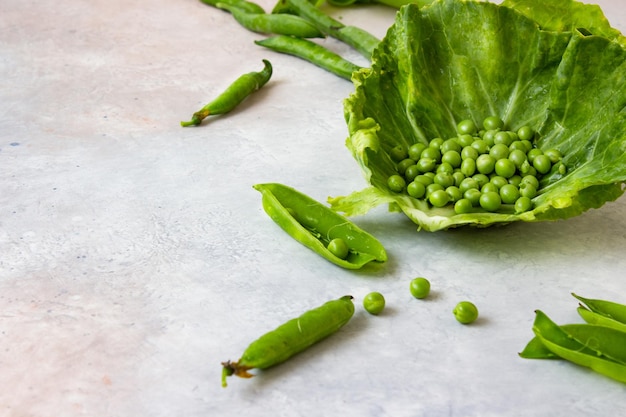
(292, 337)
(592, 317)
(605, 344)
(608, 309)
(244, 5)
(316, 225)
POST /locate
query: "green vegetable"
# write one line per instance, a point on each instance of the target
(374, 303)
(465, 312)
(312, 52)
(600, 348)
(280, 24)
(436, 67)
(315, 226)
(608, 309)
(247, 6)
(420, 287)
(238, 91)
(292, 337)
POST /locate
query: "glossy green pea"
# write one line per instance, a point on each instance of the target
(374, 303)
(523, 204)
(314, 225)
(311, 52)
(420, 287)
(416, 189)
(465, 312)
(396, 183)
(493, 123)
(292, 337)
(463, 206)
(338, 247)
(398, 153)
(415, 150)
(466, 127)
(234, 94)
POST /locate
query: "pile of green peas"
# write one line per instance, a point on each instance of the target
(489, 169)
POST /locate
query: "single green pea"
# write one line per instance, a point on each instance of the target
(481, 179)
(523, 204)
(466, 127)
(509, 194)
(493, 123)
(396, 183)
(374, 303)
(468, 183)
(485, 164)
(465, 140)
(339, 248)
(445, 167)
(473, 196)
(468, 167)
(499, 151)
(469, 152)
(426, 164)
(489, 137)
(436, 143)
(530, 179)
(404, 164)
(398, 153)
(458, 177)
(415, 150)
(463, 206)
(444, 179)
(451, 144)
(424, 179)
(420, 287)
(525, 133)
(489, 188)
(465, 312)
(452, 157)
(542, 164)
(431, 153)
(498, 181)
(439, 198)
(554, 154)
(416, 189)
(481, 146)
(526, 189)
(505, 168)
(490, 201)
(518, 157)
(454, 193)
(502, 138)
(411, 172)
(533, 153)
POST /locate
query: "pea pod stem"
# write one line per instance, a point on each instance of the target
(312, 52)
(290, 338)
(314, 224)
(234, 94)
(359, 39)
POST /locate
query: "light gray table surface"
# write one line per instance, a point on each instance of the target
(135, 255)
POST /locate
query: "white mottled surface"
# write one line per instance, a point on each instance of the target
(135, 255)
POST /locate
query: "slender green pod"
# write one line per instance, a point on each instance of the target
(312, 52)
(315, 226)
(280, 24)
(592, 317)
(239, 90)
(359, 39)
(292, 337)
(562, 341)
(608, 309)
(244, 5)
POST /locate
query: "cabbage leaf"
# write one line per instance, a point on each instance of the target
(455, 60)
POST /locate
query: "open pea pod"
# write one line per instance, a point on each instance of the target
(315, 225)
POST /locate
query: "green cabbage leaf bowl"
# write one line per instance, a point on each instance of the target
(555, 65)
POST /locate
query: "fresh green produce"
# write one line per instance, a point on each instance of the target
(465, 312)
(598, 347)
(244, 5)
(420, 287)
(290, 338)
(317, 226)
(436, 67)
(312, 52)
(279, 24)
(234, 94)
(374, 303)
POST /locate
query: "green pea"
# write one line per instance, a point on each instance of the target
(493, 123)
(411, 172)
(525, 133)
(439, 198)
(505, 168)
(466, 127)
(554, 155)
(485, 164)
(489, 138)
(499, 151)
(424, 179)
(468, 183)
(436, 143)
(518, 157)
(498, 181)
(515, 180)
(519, 145)
(468, 167)
(473, 196)
(431, 153)
(481, 179)
(489, 188)
(523, 204)
(416, 189)
(374, 303)
(431, 188)
(420, 287)
(502, 138)
(509, 194)
(469, 152)
(404, 164)
(542, 164)
(445, 167)
(465, 312)
(481, 146)
(530, 179)
(450, 145)
(454, 193)
(415, 150)
(398, 153)
(458, 177)
(444, 179)
(463, 206)
(426, 164)
(452, 157)
(396, 183)
(526, 189)
(292, 337)
(338, 247)
(533, 153)
(465, 140)
(490, 201)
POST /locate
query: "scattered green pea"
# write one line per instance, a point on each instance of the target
(420, 287)
(465, 312)
(374, 303)
(338, 247)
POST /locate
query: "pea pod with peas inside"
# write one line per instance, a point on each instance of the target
(292, 337)
(315, 226)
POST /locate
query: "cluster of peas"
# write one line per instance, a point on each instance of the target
(477, 170)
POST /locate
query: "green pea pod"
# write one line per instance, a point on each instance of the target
(291, 337)
(312, 52)
(592, 317)
(280, 24)
(535, 349)
(241, 88)
(316, 225)
(608, 309)
(244, 5)
(563, 344)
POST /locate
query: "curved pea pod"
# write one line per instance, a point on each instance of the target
(596, 318)
(315, 225)
(292, 337)
(608, 309)
(595, 347)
